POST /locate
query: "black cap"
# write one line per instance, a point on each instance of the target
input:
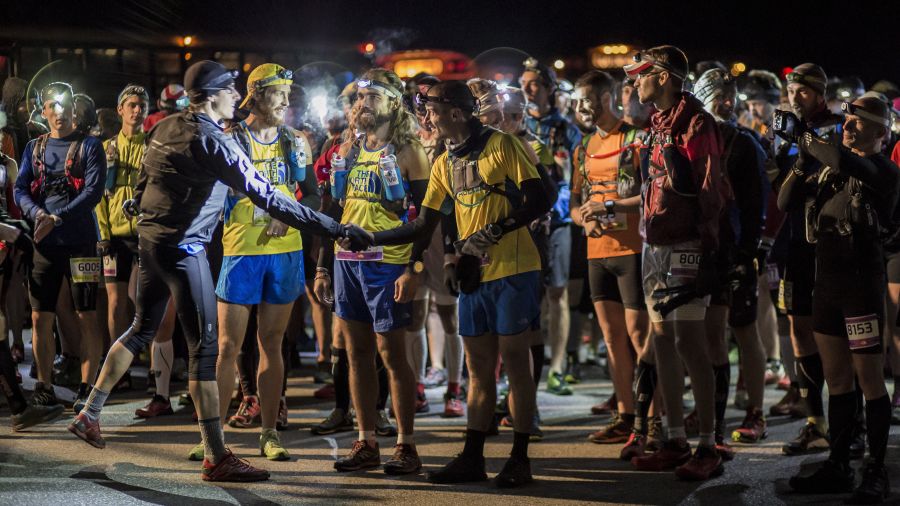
(455, 93)
(208, 75)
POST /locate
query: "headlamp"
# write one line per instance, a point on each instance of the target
(59, 92)
(219, 82)
(643, 63)
(281, 74)
(383, 87)
(856, 110)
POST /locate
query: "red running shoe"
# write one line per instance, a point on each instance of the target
(158, 406)
(606, 407)
(87, 430)
(724, 450)
(247, 414)
(752, 429)
(671, 455)
(453, 407)
(703, 465)
(635, 447)
(231, 468)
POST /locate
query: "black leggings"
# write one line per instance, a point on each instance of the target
(168, 269)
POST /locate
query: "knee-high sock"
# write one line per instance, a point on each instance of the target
(162, 355)
(811, 379)
(722, 375)
(340, 370)
(841, 418)
(384, 388)
(644, 387)
(878, 418)
(537, 358)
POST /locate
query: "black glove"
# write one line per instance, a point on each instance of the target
(450, 280)
(707, 280)
(478, 243)
(103, 248)
(130, 208)
(360, 239)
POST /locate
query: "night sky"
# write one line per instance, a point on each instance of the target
(863, 40)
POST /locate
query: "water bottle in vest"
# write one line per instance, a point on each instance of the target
(338, 176)
(390, 176)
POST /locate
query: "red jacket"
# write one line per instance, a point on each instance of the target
(672, 216)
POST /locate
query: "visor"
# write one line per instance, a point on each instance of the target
(643, 63)
(856, 110)
(383, 87)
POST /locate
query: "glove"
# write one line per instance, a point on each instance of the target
(131, 209)
(450, 279)
(707, 280)
(478, 243)
(359, 239)
(103, 248)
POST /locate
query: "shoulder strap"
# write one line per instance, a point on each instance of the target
(37, 155)
(74, 156)
(582, 155)
(240, 134)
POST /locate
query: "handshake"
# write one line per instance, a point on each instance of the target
(354, 238)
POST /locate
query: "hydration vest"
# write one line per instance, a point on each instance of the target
(629, 164)
(74, 156)
(398, 207)
(292, 149)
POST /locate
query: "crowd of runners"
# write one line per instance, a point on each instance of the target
(451, 233)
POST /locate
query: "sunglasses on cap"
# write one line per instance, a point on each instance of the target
(281, 74)
(856, 110)
(381, 86)
(643, 65)
(133, 91)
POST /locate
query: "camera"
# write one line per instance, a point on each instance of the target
(787, 126)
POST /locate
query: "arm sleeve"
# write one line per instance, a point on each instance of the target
(326, 250)
(225, 159)
(23, 185)
(847, 163)
(791, 192)
(524, 174)
(94, 181)
(418, 231)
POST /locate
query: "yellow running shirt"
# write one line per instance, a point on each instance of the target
(503, 159)
(245, 224)
(362, 206)
(111, 220)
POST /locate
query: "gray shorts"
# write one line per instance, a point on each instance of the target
(559, 257)
(670, 267)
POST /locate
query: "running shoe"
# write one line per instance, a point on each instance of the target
(616, 431)
(247, 414)
(692, 424)
(18, 352)
(231, 468)
(435, 378)
(324, 393)
(810, 439)
(158, 406)
(607, 407)
(791, 404)
(573, 370)
(79, 403)
(462, 469)
(723, 448)
(383, 425)
(515, 473)
(421, 401)
(453, 407)
(67, 371)
(281, 423)
(535, 433)
(655, 434)
(44, 395)
(404, 461)
(34, 415)
(875, 486)
(87, 430)
(556, 384)
(362, 456)
(704, 464)
(830, 478)
(774, 372)
(636, 446)
(784, 383)
(506, 421)
(671, 455)
(752, 429)
(270, 446)
(336, 421)
(197, 453)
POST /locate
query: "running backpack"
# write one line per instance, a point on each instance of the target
(629, 164)
(74, 156)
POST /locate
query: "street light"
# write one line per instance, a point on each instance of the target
(559, 64)
(187, 40)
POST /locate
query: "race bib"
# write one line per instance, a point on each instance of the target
(684, 262)
(260, 217)
(109, 266)
(373, 254)
(863, 331)
(773, 276)
(785, 295)
(85, 269)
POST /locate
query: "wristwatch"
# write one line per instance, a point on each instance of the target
(417, 267)
(610, 206)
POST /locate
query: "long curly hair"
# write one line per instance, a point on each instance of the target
(403, 124)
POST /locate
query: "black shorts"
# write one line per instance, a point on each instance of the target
(796, 289)
(892, 266)
(52, 265)
(617, 279)
(851, 302)
(123, 256)
(742, 298)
